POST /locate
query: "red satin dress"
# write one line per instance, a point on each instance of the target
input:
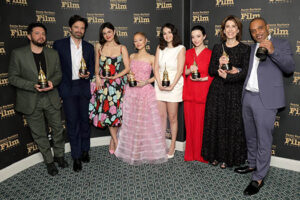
(194, 97)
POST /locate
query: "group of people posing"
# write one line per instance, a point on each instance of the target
(231, 94)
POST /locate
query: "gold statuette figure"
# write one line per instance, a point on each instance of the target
(83, 69)
(131, 79)
(226, 66)
(106, 71)
(165, 81)
(195, 74)
(42, 80)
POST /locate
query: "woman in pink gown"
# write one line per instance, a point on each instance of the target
(141, 137)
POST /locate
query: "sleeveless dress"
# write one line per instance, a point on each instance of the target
(141, 138)
(105, 107)
(168, 56)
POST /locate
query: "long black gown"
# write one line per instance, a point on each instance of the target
(223, 135)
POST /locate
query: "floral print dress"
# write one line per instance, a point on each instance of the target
(105, 107)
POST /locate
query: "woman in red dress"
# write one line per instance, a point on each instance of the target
(195, 92)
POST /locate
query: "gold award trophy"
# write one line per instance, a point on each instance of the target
(42, 80)
(195, 74)
(106, 71)
(83, 69)
(226, 66)
(165, 81)
(131, 79)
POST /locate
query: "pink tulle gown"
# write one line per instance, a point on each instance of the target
(141, 138)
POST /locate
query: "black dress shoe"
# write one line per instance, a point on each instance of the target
(77, 165)
(244, 170)
(85, 157)
(61, 162)
(253, 188)
(51, 168)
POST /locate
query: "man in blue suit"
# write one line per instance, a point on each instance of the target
(263, 95)
(74, 88)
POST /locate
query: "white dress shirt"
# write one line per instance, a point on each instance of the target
(76, 55)
(252, 84)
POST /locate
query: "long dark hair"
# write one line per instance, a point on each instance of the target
(176, 39)
(108, 25)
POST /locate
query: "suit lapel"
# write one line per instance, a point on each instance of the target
(31, 62)
(47, 61)
(68, 55)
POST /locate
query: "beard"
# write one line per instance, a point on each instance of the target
(77, 35)
(39, 44)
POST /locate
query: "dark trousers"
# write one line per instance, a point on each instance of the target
(259, 125)
(36, 122)
(77, 120)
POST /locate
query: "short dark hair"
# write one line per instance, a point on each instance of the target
(108, 25)
(239, 24)
(35, 24)
(176, 39)
(76, 18)
(200, 28)
(258, 18)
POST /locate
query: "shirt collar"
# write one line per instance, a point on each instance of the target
(73, 43)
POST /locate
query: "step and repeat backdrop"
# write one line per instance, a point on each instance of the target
(130, 16)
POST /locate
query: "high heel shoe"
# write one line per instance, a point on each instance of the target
(111, 151)
(215, 163)
(171, 156)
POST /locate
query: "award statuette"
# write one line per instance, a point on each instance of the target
(42, 80)
(131, 79)
(106, 71)
(165, 81)
(262, 53)
(228, 65)
(195, 74)
(83, 69)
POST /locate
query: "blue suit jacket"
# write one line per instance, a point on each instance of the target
(64, 50)
(270, 73)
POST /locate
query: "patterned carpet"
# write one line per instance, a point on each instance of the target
(106, 177)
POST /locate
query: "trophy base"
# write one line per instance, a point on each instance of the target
(132, 83)
(262, 53)
(43, 85)
(226, 67)
(83, 72)
(262, 57)
(106, 74)
(195, 75)
(165, 83)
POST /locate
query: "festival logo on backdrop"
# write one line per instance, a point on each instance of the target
(276, 123)
(250, 13)
(66, 31)
(298, 47)
(217, 30)
(95, 18)
(118, 5)
(17, 2)
(49, 44)
(18, 31)
(248, 42)
(141, 18)
(220, 3)
(45, 16)
(296, 78)
(279, 30)
(273, 150)
(200, 16)
(3, 79)
(70, 4)
(24, 121)
(2, 49)
(158, 31)
(294, 109)
(279, 1)
(9, 142)
(32, 148)
(292, 140)
(122, 31)
(148, 46)
(7, 111)
(164, 4)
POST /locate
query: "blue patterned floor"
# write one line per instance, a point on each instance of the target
(106, 177)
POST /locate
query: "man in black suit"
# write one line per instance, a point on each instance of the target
(74, 88)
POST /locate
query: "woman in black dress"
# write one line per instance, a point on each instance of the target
(223, 136)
